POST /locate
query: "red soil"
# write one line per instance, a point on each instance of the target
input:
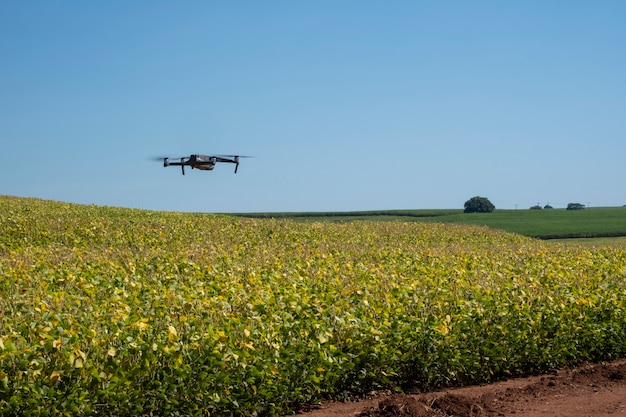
(595, 390)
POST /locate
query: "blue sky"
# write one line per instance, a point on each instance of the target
(346, 105)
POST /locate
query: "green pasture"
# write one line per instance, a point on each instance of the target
(544, 224)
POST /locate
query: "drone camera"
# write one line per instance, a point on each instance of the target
(166, 162)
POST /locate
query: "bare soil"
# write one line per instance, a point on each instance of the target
(593, 390)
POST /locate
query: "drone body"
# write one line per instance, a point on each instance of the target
(202, 162)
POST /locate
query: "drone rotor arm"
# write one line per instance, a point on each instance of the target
(167, 161)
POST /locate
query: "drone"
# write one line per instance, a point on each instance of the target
(202, 162)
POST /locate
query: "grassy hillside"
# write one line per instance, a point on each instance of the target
(109, 311)
(544, 224)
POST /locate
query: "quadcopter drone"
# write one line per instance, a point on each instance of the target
(202, 162)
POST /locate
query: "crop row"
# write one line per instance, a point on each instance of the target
(123, 312)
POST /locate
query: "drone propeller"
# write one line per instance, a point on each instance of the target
(235, 156)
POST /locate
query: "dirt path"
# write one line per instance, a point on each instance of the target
(596, 390)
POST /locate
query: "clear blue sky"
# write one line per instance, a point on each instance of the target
(346, 105)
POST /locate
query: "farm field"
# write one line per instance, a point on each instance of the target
(110, 311)
(544, 224)
(617, 242)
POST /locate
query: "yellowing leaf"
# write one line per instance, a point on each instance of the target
(172, 333)
(55, 376)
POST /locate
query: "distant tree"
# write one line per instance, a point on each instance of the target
(575, 206)
(478, 205)
(548, 207)
(536, 207)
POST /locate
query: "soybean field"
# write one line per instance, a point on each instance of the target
(111, 311)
